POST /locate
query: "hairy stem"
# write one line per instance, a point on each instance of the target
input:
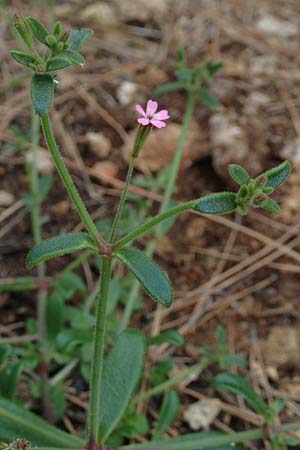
(152, 222)
(181, 376)
(67, 180)
(98, 346)
(121, 205)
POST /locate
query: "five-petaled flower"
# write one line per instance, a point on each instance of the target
(151, 117)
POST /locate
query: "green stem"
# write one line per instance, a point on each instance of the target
(99, 334)
(160, 388)
(154, 221)
(67, 180)
(196, 441)
(99, 341)
(121, 205)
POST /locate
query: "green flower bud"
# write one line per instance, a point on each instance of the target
(140, 138)
(23, 29)
(51, 40)
(261, 180)
(65, 36)
(60, 46)
(57, 29)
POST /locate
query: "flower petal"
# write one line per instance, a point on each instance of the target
(161, 115)
(151, 108)
(140, 110)
(158, 123)
(143, 121)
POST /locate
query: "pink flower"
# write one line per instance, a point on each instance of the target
(151, 117)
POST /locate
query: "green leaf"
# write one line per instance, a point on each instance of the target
(122, 371)
(42, 92)
(38, 29)
(58, 401)
(9, 379)
(58, 246)
(193, 441)
(215, 67)
(74, 57)
(170, 87)
(167, 414)
(23, 58)
(218, 203)
(271, 206)
(208, 99)
(58, 63)
(24, 30)
(170, 337)
(154, 281)
(16, 422)
(78, 38)
(4, 353)
(278, 175)
(239, 174)
(240, 386)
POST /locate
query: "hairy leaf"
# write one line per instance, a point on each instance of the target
(58, 63)
(240, 386)
(278, 175)
(58, 246)
(42, 92)
(170, 87)
(23, 58)
(170, 336)
(9, 379)
(16, 422)
(208, 99)
(271, 206)
(239, 174)
(194, 441)
(74, 57)
(38, 30)
(168, 413)
(122, 371)
(218, 203)
(152, 278)
(78, 38)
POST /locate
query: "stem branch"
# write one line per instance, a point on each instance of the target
(67, 180)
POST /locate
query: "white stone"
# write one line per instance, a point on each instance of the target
(273, 26)
(44, 161)
(6, 198)
(202, 413)
(99, 144)
(125, 92)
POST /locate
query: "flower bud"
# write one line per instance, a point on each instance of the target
(60, 46)
(57, 29)
(65, 36)
(51, 40)
(24, 30)
(140, 138)
(260, 200)
(261, 180)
